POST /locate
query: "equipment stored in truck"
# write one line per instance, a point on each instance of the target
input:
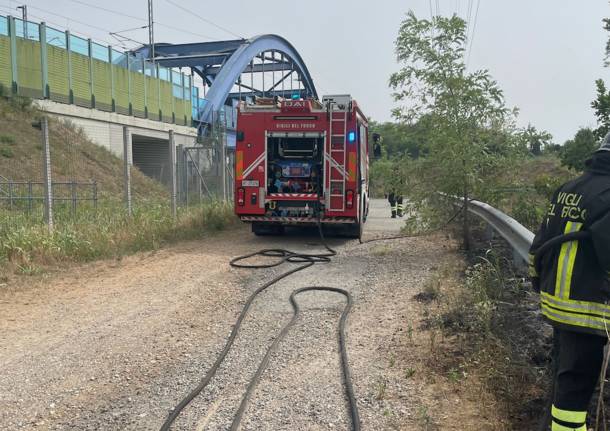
(301, 162)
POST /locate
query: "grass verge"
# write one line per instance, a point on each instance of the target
(26, 247)
(484, 332)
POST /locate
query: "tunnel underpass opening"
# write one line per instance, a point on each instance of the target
(151, 156)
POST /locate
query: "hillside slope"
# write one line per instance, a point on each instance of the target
(73, 155)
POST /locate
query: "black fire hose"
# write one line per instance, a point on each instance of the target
(307, 260)
(554, 242)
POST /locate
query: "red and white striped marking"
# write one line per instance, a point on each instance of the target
(296, 219)
(289, 196)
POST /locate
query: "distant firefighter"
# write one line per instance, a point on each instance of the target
(394, 193)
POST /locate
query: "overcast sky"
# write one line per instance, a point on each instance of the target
(545, 54)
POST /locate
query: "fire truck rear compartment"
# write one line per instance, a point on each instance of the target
(294, 164)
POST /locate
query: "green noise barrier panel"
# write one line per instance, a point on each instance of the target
(59, 84)
(5, 63)
(29, 69)
(68, 69)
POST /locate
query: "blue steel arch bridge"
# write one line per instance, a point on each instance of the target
(235, 70)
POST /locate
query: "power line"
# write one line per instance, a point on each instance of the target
(469, 11)
(68, 18)
(474, 28)
(171, 27)
(119, 13)
(190, 12)
(94, 6)
(9, 10)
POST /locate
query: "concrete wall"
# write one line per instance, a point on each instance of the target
(106, 128)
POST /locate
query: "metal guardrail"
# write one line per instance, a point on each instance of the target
(517, 235)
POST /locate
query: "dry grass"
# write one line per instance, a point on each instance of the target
(25, 245)
(472, 348)
(73, 155)
(28, 248)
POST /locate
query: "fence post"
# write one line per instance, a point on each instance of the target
(12, 33)
(224, 165)
(126, 169)
(180, 173)
(48, 183)
(44, 67)
(95, 196)
(30, 198)
(74, 198)
(172, 170)
(10, 194)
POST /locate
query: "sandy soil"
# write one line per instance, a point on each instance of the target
(115, 345)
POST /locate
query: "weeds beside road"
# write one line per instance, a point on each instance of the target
(26, 247)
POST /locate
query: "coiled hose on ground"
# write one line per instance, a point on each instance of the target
(283, 256)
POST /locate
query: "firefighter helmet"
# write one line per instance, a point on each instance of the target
(605, 146)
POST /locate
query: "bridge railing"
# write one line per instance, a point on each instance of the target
(42, 62)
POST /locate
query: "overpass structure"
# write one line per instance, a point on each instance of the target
(222, 66)
(191, 89)
(186, 84)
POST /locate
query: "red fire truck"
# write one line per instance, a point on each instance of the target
(302, 162)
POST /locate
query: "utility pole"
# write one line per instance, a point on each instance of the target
(151, 32)
(24, 17)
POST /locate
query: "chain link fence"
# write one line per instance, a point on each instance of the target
(64, 179)
(206, 168)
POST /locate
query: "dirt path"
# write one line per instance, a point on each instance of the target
(115, 345)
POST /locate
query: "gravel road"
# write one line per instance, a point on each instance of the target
(115, 345)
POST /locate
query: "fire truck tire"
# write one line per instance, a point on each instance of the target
(264, 229)
(366, 210)
(354, 230)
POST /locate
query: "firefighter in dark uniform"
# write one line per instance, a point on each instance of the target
(572, 274)
(394, 193)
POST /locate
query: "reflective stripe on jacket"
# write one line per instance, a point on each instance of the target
(574, 275)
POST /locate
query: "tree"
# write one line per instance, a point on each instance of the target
(601, 105)
(577, 151)
(402, 139)
(535, 140)
(466, 109)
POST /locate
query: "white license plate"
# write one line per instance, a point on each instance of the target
(249, 183)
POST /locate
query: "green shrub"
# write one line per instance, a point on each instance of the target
(6, 152)
(546, 185)
(7, 139)
(20, 103)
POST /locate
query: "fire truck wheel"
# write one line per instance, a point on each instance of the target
(354, 230)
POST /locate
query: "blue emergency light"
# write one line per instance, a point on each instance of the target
(351, 136)
(296, 96)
